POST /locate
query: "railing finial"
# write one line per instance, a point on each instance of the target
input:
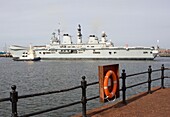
(83, 77)
(13, 87)
(123, 70)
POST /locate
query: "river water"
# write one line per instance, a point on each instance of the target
(35, 77)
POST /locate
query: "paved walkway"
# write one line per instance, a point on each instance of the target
(156, 104)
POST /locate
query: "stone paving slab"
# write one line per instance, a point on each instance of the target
(156, 104)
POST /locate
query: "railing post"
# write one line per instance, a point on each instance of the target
(14, 99)
(83, 99)
(149, 79)
(124, 86)
(162, 76)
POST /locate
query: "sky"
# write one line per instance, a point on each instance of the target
(132, 22)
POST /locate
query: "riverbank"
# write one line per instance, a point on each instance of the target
(164, 52)
(5, 54)
(141, 105)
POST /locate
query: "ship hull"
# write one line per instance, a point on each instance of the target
(99, 54)
(111, 53)
(97, 58)
(34, 59)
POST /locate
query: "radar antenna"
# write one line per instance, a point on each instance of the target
(79, 35)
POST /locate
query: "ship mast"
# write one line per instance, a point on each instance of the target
(59, 35)
(79, 35)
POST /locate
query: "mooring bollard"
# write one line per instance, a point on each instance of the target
(83, 99)
(162, 76)
(124, 86)
(14, 99)
(149, 79)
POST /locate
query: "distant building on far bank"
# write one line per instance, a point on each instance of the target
(164, 52)
(5, 54)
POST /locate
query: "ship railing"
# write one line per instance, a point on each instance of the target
(14, 94)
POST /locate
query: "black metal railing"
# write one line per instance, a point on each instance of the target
(14, 99)
(149, 81)
(14, 94)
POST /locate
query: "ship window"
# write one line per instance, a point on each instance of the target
(92, 36)
(145, 52)
(26, 53)
(39, 52)
(96, 52)
(43, 52)
(65, 35)
(23, 52)
(110, 52)
(151, 52)
(48, 53)
(115, 52)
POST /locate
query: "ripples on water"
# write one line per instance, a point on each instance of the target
(34, 77)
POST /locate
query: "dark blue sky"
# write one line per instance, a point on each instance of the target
(132, 22)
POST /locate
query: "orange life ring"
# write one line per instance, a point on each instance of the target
(106, 80)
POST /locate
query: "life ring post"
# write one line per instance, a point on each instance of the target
(108, 82)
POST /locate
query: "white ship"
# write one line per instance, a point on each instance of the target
(95, 48)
